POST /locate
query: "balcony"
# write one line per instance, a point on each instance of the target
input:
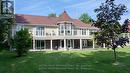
(52, 35)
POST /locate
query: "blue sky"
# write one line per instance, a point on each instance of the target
(74, 7)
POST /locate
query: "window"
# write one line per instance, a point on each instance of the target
(65, 29)
(19, 27)
(39, 31)
(83, 31)
(68, 29)
(84, 43)
(92, 32)
(31, 31)
(39, 44)
(61, 29)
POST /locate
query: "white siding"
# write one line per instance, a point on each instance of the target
(50, 31)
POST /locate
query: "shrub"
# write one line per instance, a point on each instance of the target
(22, 42)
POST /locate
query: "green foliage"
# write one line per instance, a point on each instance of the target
(85, 18)
(125, 28)
(108, 17)
(52, 15)
(22, 42)
(5, 31)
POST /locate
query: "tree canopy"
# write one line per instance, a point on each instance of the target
(85, 18)
(52, 15)
(5, 31)
(108, 17)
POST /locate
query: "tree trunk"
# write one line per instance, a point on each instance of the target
(115, 58)
(9, 39)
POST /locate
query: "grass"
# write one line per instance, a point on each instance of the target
(87, 61)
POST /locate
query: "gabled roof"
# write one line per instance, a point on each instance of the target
(49, 21)
(32, 19)
(64, 17)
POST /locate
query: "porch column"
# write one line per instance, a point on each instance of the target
(86, 43)
(129, 40)
(64, 32)
(104, 45)
(93, 43)
(34, 44)
(64, 44)
(80, 43)
(51, 45)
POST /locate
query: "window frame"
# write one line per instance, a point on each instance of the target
(39, 31)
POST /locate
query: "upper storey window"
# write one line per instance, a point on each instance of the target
(65, 29)
(68, 30)
(83, 31)
(92, 31)
(40, 31)
(19, 27)
(61, 29)
(75, 31)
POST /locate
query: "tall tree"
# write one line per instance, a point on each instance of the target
(5, 31)
(52, 15)
(85, 18)
(6, 22)
(108, 17)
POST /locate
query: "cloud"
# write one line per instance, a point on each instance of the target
(51, 9)
(32, 6)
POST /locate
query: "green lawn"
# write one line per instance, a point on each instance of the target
(87, 61)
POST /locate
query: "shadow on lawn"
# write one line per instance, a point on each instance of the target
(70, 62)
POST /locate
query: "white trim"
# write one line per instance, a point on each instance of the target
(81, 44)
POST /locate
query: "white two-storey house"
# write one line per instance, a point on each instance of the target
(56, 33)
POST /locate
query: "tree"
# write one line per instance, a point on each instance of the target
(6, 21)
(22, 42)
(108, 17)
(5, 31)
(52, 15)
(85, 18)
(125, 27)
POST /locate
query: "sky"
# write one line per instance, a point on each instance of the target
(73, 7)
